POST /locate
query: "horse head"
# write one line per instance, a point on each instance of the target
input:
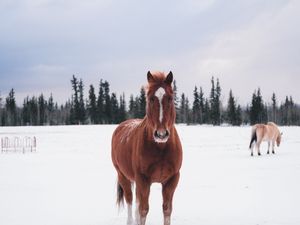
(160, 110)
(278, 139)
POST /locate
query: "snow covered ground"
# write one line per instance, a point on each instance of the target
(71, 180)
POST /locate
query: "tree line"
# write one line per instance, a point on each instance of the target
(105, 107)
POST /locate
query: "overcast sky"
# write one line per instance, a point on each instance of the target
(246, 44)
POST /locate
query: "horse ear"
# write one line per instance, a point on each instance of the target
(169, 78)
(150, 77)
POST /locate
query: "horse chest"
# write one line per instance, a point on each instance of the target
(158, 168)
(160, 172)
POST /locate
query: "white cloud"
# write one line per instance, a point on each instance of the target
(246, 44)
(261, 54)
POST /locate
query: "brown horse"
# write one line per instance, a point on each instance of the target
(262, 132)
(148, 150)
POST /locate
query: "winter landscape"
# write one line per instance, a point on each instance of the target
(71, 69)
(70, 179)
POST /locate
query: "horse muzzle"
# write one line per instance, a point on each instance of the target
(161, 135)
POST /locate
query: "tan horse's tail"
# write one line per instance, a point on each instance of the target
(120, 195)
(253, 137)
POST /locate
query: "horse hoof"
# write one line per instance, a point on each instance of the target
(268, 152)
(259, 154)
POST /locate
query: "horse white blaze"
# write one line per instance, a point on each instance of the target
(160, 92)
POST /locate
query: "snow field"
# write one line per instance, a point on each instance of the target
(71, 180)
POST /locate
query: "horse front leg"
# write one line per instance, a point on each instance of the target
(168, 190)
(273, 145)
(268, 147)
(142, 199)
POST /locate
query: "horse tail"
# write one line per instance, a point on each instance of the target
(120, 195)
(253, 137)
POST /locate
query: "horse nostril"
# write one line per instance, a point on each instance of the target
(167, 133)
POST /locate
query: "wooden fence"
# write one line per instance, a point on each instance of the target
(18, 144)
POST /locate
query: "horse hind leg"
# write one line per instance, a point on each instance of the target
(269, 144)
(258, 147)
(125, 187)
(252, 142)
(252, 146)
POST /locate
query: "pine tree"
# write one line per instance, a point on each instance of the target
(196, 107)
(218, 103)
(289, 112)
(81, 109)
(107, 103)
(182, 116)
(26, 112)
(33, 106)
(136, 107)
(66, 113)
(50, 110)
(238, 120)
(212, 95)
(176, 101)
(122, 110)
(206, 112)
(258, 112)
(114, 109)
(131, 107)
(100, 103)
(253, 112)
(187, 111)
(142, 103)
(215, 94)
(231, 109)
(274, 108)
(42, 109)
(201, 104)
(75, 112)
(11, 108)
(92, 106)
(184, 110)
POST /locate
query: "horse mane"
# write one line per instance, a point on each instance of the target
(158, 76)
(272, 124)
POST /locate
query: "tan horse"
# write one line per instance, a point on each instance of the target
(148, 150)
(262, 132)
